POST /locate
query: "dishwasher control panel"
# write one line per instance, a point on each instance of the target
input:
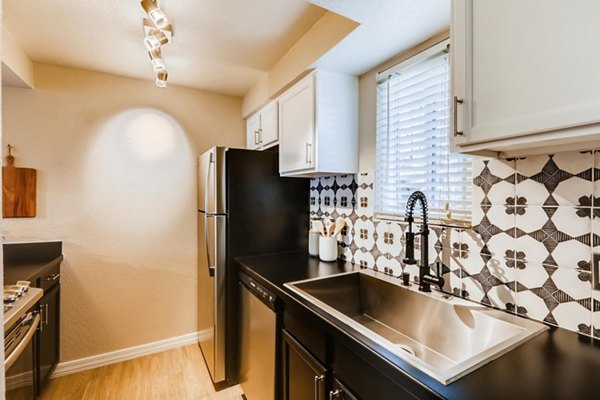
(259, 291)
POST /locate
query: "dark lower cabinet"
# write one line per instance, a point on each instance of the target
(304, 377)
(48, 335)
(340, 392)
(321, 365)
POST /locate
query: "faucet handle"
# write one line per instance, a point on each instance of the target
(439, 270)
(409, 257)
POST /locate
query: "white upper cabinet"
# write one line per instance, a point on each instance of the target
(252, 131)
(318, 126)
(269, 126)
(262, 128)
(525, 75)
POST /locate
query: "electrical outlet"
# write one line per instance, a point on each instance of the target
(596, 272)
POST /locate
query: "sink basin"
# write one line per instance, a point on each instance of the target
(446, 338)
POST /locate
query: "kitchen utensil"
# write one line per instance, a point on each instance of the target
(18, 189)
(339, 225)
(318, 226)
(328, 224)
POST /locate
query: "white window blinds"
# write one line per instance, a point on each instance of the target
(413, 149)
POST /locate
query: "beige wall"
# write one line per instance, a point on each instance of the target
(117, 184)
(367, 103)
(15, 63)
(323, 36)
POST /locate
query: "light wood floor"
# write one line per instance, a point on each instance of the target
(178, 374)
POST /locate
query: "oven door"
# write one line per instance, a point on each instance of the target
(19, 361)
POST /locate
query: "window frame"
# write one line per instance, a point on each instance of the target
(461, 218)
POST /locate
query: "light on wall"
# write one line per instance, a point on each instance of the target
(157, 33)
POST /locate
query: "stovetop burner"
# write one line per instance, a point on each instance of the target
(13, 292)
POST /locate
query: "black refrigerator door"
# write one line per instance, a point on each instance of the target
(267, 213)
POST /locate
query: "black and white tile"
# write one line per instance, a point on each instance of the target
(557, 236)
(559, 296)
(555, 179)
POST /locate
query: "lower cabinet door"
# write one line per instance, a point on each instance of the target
(48, 335)
(304, 378)
(340, 392)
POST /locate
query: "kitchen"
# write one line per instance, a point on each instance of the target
(123, 285)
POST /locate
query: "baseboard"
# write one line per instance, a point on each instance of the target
(18, 381)
(101, 360)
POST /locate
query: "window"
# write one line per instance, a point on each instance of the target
(413, 138)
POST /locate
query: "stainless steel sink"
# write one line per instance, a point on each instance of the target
(446, 338)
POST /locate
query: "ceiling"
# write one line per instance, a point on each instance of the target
(387, 28)
(224, 46)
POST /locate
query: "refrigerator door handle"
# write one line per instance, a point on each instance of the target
(211, 267)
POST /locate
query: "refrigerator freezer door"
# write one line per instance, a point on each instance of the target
(211, 292)
(211, 181)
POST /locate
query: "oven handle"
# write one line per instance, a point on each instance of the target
(16, 353)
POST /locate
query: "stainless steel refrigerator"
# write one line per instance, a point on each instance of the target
(244, 208)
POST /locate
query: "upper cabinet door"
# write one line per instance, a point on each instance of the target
(253, 132)
(318, 126)
(297, 126)
(524, 68)
(269, 128)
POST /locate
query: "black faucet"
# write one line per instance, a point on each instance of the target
(425, 278)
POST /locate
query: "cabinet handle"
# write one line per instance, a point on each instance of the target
(256, 142)
(308, 155)
(53, 277)
(41, 326)
(260, 139)
(457, 101)
(334, 395)
(318, 380)
(46, 312)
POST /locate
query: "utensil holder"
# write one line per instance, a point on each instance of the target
(328, 249)
(313, 244)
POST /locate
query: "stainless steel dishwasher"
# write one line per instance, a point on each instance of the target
(258, 344)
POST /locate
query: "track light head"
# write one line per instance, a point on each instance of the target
(157, 61)
(161, 79)
(155, 40)
(157, 16)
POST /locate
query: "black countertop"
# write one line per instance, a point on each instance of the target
(28, 260)
(557, 364)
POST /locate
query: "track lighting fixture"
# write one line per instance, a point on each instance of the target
(161, 79)
(157, 16)
(157, 33)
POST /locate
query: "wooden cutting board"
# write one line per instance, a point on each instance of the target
(18, 190)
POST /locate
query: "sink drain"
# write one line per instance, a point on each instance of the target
(406, 349)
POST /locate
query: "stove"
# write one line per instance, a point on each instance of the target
(21, 322)
(18, 299)
(12, 293)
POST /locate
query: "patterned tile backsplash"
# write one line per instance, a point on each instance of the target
(536, 226)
